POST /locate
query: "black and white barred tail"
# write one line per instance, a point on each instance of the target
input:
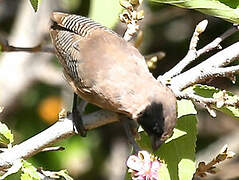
(77, 24)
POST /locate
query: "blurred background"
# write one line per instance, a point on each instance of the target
(33, 89)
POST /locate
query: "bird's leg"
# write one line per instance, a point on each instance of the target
(77, 120)
(82, 106)
(128, 130)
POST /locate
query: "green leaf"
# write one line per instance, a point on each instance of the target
(187, 109)
(25, 177)
(35, 4)
(6, 137)
(176, 134)
(163, 172)
(64, 173)
(212, 92)
(204, 90)
(179, 154)
(225, 9)
(179, 151)
(186, 168)
(105, 12)
(29, 171)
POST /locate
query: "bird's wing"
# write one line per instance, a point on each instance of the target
(101, 67)
(119, 73)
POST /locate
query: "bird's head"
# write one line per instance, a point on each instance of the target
(158, 120)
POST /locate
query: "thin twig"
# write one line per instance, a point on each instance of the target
(193, 54)
(39, 48)
(230, 138)
(215, 43)
(201, 72)
(204, 100)
(58, 148)
(223, 72)
(5, 47)
(196, 98)
(218, 101)
(210, 167)
(131, 17)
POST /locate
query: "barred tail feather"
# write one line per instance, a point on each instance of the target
(77, 24)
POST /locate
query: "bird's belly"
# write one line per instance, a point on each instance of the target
(128, 96)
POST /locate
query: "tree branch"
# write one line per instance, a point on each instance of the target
(193, 54)
(201, 72)
(58, 131)
(5, 47)
(215, 44)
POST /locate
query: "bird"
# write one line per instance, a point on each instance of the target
(109, 72)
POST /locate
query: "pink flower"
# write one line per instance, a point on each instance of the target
(144, 166)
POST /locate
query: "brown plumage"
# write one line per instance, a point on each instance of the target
(107, 71)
